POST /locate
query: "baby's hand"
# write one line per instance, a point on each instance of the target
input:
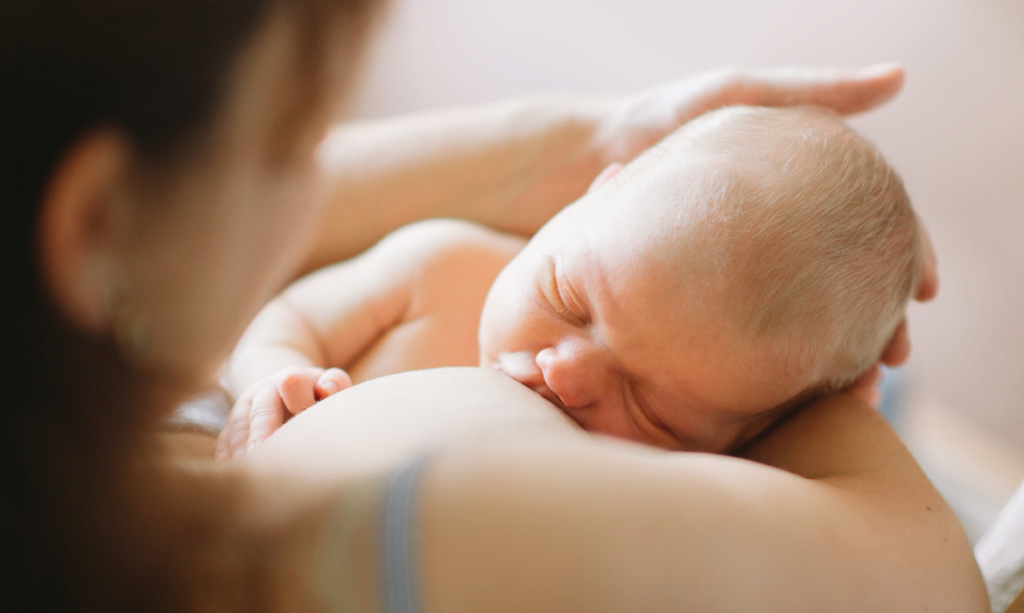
(267, 404)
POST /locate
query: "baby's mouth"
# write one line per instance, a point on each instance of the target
(521, 367)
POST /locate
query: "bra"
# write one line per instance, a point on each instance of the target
(370, 540)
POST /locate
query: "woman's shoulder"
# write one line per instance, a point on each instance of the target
(862, 530)
(587, 523)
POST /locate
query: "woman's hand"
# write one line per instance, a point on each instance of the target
(513, 165)
(635, 123)
(267, 404)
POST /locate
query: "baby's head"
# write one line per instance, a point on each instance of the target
(754, 259)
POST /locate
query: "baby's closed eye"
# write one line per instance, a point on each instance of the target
(563, 299)
(648, 419)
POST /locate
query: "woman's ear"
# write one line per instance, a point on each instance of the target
(78, 226)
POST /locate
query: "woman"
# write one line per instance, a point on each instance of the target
(159, 184)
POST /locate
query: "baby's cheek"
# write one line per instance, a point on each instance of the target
(713, 435)
(499, 332)
(485, 341)
(735, 440)
(494, 340)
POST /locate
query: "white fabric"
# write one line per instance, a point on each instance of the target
(1000, 554)
(208, 412)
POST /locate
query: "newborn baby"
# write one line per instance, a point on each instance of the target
(754, 259)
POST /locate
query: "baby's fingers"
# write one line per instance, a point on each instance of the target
(332, 381)
(234, 436)
(265, 417)
(296, 387)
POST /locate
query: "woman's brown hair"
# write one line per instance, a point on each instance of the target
(74, 410)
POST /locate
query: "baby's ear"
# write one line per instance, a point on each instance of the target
(610, 171)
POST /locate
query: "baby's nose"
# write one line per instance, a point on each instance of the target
(577, 373)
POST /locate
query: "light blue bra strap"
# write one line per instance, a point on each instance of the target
(349, 540)
(401, 593)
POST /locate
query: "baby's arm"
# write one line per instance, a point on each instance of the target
(292, 353)
(328, 317)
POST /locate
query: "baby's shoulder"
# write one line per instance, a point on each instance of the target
(451, 266)
(447, 242)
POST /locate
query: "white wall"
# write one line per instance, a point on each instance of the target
(956, 133)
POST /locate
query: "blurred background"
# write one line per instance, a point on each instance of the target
(956, 134)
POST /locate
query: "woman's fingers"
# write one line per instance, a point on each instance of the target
(898, 350)
(845, 91)
(639, 121)
(928, 284)
(332, 381)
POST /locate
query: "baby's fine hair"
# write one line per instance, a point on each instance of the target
(809, 229)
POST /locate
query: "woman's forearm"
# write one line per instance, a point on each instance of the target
(510, 166)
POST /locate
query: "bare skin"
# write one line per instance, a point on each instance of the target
(415, 302)
(235, 197)
(513, 165)
(847, 522)
(593, 314)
